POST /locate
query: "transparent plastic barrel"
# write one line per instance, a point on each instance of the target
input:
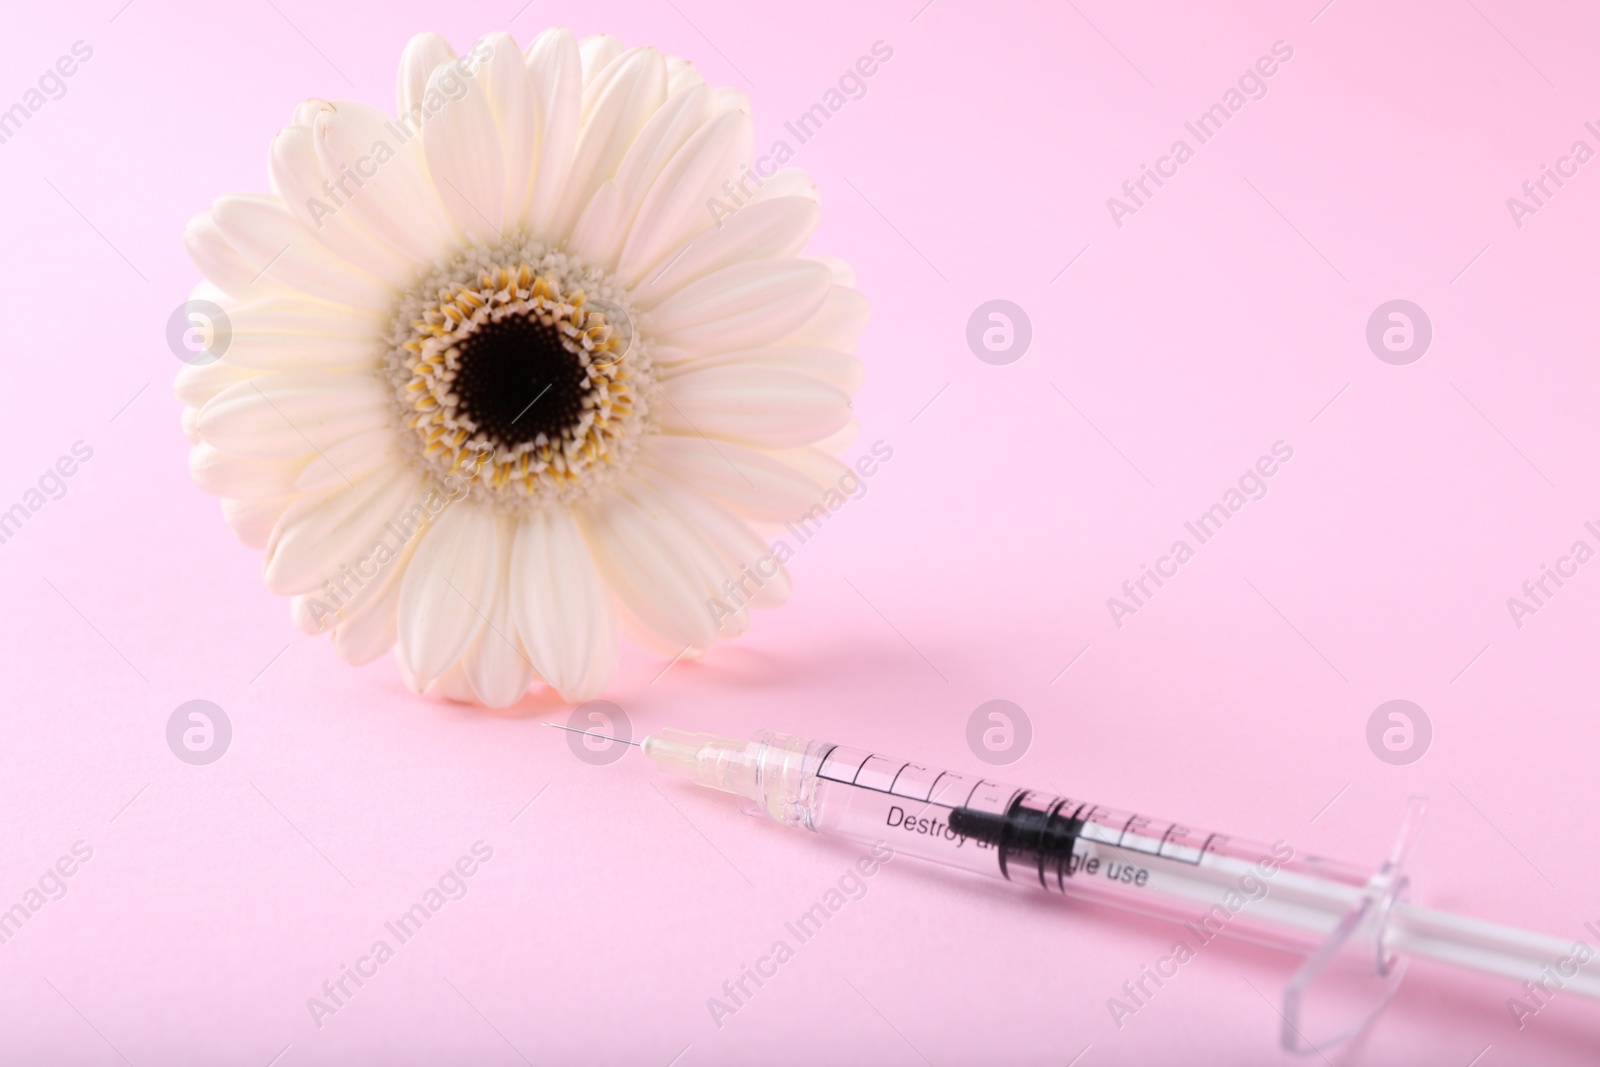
(1076, 847)
(1347, 923)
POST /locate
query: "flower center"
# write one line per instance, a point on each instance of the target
(517, 370)
(516, 381)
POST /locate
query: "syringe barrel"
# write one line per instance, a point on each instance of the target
(1352, 924)
(1213, 882)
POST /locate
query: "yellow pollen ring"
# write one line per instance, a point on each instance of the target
(448, 437)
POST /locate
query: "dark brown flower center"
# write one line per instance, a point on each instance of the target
(516, 381)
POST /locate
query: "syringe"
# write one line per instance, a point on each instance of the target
(1356, 927)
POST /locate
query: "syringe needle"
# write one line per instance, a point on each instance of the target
(592, 733)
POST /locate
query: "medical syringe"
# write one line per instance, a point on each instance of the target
(1356, 927)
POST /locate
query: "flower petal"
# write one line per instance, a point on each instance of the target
(771, 229)
(752, 404)
(222, 264)
(298, 177)
(462, 144)
(555, 70)
(263, 232)
(563, 614)
(837, 323)
(819, 466)
(658, 142)
(675, 209)
(496, 665)
(839, 369)
(843, 273)
(369, 626)
(517, 114)
(663, 572)
(197, 383)
(759, 580)
(452, 685)
(448, 583)
(322, 533)
(309, 615)
(366, 624)
(277, 416)
(599, 229)
(424, 53)
(598, 51)
(349, 460)
(752, 483)
(836, 442)
(276, 351)
(252, 520)
(681, 74)
(296, 314)
(615, 108)
(389, 191)
(788, 181)
(242, 477)
(746, 305)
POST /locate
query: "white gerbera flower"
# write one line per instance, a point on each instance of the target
(524, 361)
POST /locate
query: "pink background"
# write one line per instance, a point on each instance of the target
(1224, 316)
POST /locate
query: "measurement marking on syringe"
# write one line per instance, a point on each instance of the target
(1089, 823)
(874, 789)
(1088, 830)
(983, 781)
(1065, 861)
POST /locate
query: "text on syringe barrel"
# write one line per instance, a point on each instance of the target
(1066, 845)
